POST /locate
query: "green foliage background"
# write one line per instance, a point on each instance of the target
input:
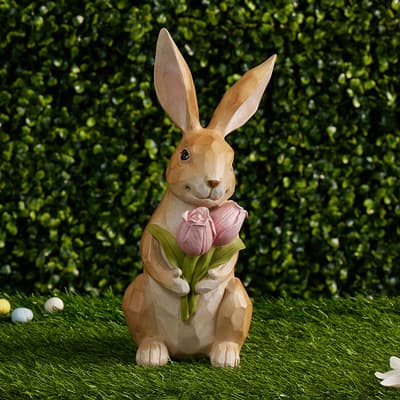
(84, 143)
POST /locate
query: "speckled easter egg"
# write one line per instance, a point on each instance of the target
(54, 304)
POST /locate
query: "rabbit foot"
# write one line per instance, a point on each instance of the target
(152, 353)
(225, 355)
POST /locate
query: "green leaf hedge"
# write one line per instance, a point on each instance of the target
(84, 143)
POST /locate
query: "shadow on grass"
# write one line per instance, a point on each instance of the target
(77, 348)
(97, 350)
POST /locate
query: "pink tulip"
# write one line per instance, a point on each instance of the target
(196, 233)
(228, 220)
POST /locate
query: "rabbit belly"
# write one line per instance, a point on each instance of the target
(185, 338)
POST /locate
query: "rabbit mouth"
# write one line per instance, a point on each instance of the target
(213, 195)
(210, 196)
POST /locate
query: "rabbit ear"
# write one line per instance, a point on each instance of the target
(174, 84)
(241, 101)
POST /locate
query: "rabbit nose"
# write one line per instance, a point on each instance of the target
(213, 183)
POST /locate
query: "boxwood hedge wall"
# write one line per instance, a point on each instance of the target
(84, 143)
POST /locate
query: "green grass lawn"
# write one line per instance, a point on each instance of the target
(296, 350)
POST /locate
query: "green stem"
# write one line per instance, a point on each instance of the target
(202, 267)
(185, 309)
(192, 302)
(188, 270)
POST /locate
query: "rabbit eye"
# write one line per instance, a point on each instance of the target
(185, 155)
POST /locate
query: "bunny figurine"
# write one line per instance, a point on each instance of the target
(200, 177)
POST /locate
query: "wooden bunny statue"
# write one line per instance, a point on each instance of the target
(200, 180)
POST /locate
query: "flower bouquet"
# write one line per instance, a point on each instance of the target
(204, 240)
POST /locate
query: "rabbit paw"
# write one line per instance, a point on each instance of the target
(225, 355)
(206, 285)
(152, 353)
(180, 287)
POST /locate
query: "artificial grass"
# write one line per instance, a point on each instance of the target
(296, 349)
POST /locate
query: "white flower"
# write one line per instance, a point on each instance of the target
(391, 378)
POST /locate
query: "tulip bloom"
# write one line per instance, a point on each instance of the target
(196, 233)
(228, 220)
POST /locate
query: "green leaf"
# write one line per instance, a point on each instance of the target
(202, 267)
(172, 251)
(224, 253)
(188, 266)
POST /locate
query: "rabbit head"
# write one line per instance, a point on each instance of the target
(200, 172)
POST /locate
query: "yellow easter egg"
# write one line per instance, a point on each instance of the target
(4, 307)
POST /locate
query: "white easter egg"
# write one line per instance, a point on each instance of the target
(54, 304)
(21, 315)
